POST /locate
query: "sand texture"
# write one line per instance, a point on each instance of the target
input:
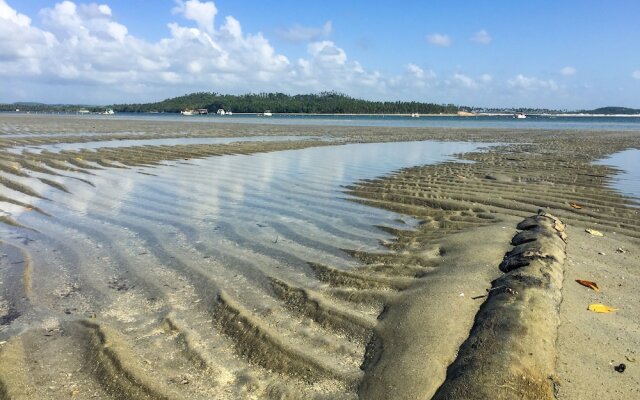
(105, 295)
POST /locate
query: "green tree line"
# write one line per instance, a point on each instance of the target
(322, 103)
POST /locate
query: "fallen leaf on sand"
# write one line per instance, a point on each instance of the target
(594, 232)
(575, 205)
(601, 308)
(589, 284)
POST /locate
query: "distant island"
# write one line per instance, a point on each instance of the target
(321, 103)
(613, 111)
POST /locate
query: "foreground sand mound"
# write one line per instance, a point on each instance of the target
(511, 349)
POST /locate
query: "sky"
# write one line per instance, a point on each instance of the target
(549, 54)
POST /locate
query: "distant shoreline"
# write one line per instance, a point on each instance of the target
(573, 115)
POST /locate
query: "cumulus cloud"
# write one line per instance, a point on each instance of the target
(84, 44)
(10, 15)
(481, 37)
(299, 33)
(203, 13)
(419, 73)
(522, 82)
(636, 74)
(438, 39)
(464, 80)
(568, 71)
(89, 20)
(326, 52)
(81, 53)
(329, 67)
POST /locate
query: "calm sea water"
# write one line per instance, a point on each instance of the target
(628, 180)
(532, 122)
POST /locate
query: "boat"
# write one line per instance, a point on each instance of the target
(220, 111)
(187, 112)
(267, 113)
(203, 111)
(519, 115)
(415, 115)
(108, 111)
(229, 113)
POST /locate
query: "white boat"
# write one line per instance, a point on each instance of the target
(519, 115)
(415, 115)
(108, 111)
(187, 112)
(267, 113)
(229, 113)
(220, 111)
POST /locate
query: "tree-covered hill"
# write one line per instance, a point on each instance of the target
(613, 110)
(323, 103)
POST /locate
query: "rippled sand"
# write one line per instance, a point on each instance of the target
(106, 294)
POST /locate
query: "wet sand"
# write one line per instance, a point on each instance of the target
(145, 316)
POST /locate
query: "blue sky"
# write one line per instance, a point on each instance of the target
(558, 54)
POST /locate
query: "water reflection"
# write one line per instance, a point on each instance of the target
(57, 147)
(253, 200)
(628, 180)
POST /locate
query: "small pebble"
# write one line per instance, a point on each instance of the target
(620, 368)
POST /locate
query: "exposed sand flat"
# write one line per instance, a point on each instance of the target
(152, 304)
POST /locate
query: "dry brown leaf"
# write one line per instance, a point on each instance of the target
(594, 232)
(575, 205)
(601, 308)
(589, 284)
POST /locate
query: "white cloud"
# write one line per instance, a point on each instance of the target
(82, 53)
(203, 13)
(636, 74)
(84, 46)
(326, 52)
(522, 82)
(299, 33)
(481, 37)
(419, 73)
(89, 20)
(568, 71)
(438, 39)
(486, 78)
(464, 80)
(10, 15)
